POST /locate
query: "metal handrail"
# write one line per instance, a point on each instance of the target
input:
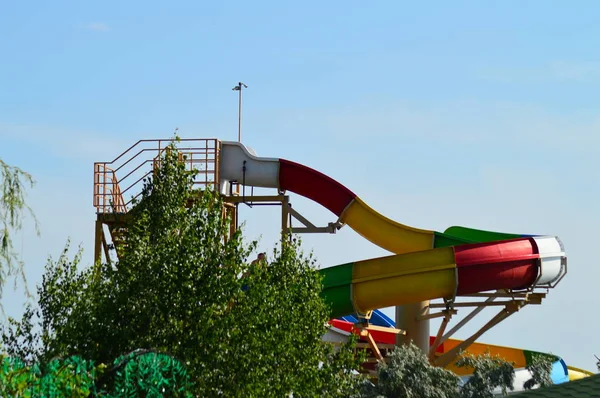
(106, 178)
(159, 140)
(108, 195)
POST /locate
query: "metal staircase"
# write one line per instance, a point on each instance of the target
(118, 183)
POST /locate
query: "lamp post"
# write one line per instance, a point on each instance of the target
(239, 89)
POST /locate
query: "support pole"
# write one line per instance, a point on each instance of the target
(407, 319)
(285, 218)
(234, 219)
(240, 115)
(98, 242)
(239, 88)
(105, 246)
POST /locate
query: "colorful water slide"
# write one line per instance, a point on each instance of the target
(341, 328)
(441, 273)
(426, 264)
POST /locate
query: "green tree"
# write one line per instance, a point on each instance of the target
(540, 369)
(177, 289)
(13, 207)
(407, 373)
(489, 372)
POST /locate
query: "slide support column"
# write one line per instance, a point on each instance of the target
(98, 243)
(408, 319)
(285, 218)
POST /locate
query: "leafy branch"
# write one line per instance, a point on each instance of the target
(13, 208)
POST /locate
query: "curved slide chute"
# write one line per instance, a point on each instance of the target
(426, 264)
(442, 273)
(240, 165)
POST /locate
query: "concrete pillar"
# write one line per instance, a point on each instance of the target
(417, 331)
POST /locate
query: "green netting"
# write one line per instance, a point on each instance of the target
(141, 373)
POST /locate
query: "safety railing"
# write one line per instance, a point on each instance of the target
(123, 177)
(107, 193)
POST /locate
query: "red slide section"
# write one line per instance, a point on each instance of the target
(498, 265)
(380, 336)
(315, 186)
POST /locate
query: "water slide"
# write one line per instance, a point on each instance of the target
(424, 265)
(341, 328)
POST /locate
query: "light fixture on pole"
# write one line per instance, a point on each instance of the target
(239, 88)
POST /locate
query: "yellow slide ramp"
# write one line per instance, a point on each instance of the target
(384, 232)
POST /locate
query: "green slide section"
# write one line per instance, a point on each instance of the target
(337, 282)
(470, 235)
(455, 236)
(445, 240)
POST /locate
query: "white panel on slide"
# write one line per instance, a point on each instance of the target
(552, 257)
(259, 172)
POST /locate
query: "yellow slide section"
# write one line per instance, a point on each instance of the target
(576, 373)
(514, 355)
(383, 232)
(406, 278)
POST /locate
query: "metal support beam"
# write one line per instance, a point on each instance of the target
(275, 199)
(436, 343)
(287, 211)
(464, 321)
(105, 246)
(99, 232)
(285, 217)
(372, 344)
(309, 227)
(498, 294)
(451, 355)
(316, 230)
(375, 328)
(230, 212)
(479, 304)
(301, 218)
(434, 315)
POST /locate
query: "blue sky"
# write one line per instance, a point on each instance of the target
(437, 114)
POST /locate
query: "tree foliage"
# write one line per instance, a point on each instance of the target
(540, 369)
(489, 372)
(13, 207)
(177, 289)
(408, 374)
